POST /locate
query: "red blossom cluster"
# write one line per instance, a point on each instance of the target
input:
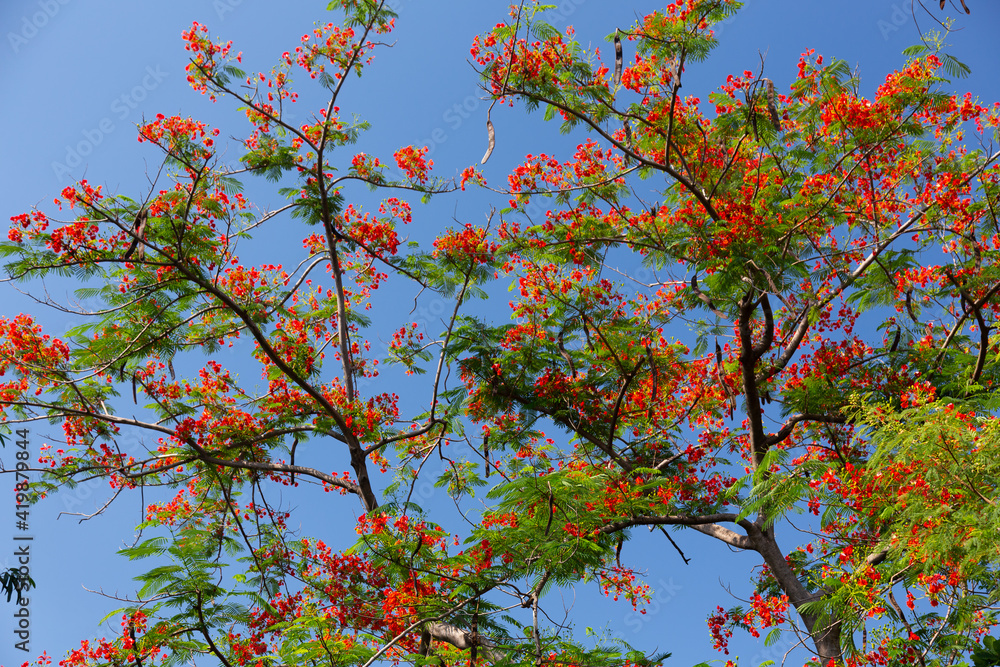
(412, 160)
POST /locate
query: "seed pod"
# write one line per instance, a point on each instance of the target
(618, 59)
(566, 355)
(492, 140)
(486, 453)
(909, 305)
(895, 340)
(772, 108)
(628, 141)
(138, 233)
(552, 511)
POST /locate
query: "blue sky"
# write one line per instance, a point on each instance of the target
(80, 74)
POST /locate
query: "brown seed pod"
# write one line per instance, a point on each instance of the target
(772, 108)
(618, 59)
(895, 340)
(628, 141)
(909, 305)
(486, 453)
(138, 233)
(492, 140)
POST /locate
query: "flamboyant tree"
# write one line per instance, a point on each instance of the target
(816, 333)
(726, 313)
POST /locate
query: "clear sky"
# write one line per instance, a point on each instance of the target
(79, 75)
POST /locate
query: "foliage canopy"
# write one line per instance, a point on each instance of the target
(767, 312)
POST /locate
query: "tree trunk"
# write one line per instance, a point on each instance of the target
(825, 632)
